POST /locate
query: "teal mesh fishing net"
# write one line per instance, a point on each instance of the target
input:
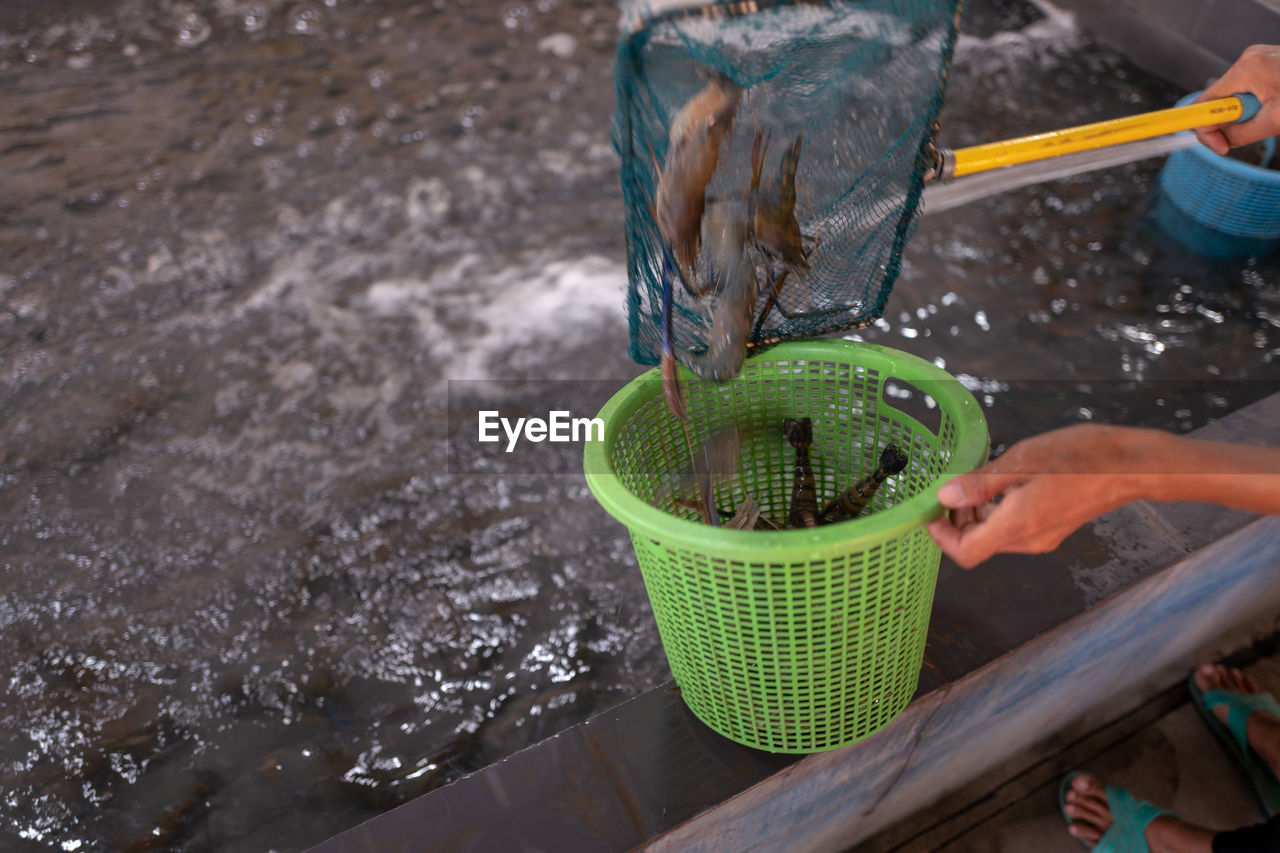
(842, 94)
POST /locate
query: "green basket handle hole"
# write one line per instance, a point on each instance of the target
(911, 400)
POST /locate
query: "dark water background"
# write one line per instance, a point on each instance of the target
(244, 243)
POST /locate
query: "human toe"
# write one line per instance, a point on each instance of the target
(1084, 784)
(1087, 810)
(1205, 676)
(1085, 832)
(1210, 676)
(1243, 682)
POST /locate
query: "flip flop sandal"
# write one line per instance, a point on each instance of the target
(1233, 735)
(1129, 819)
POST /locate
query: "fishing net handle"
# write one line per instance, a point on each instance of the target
(957, 163)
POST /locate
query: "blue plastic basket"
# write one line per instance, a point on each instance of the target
(1219, 206)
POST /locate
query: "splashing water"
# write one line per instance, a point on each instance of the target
(245, 603)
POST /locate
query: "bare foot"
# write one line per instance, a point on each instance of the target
(1091, 817)
(1262, 730)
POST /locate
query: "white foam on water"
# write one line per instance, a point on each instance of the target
(529, 306)
(1042, 41)
(427, 202)
(561, 45)
(468, 310)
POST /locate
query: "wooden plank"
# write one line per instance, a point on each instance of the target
(1150, 633)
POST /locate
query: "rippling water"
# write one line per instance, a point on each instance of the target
(243, 244)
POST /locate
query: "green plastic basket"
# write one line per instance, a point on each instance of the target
(794, 640)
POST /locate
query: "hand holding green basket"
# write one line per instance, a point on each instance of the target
(795, 640)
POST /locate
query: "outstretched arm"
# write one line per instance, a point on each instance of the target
(1257, 71)
(1052, 484)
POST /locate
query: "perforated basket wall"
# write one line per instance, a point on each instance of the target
(1219, 206)
(798, 640)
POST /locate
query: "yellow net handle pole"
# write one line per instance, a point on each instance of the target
(1089, 137)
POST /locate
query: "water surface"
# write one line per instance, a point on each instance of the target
(243, 245)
